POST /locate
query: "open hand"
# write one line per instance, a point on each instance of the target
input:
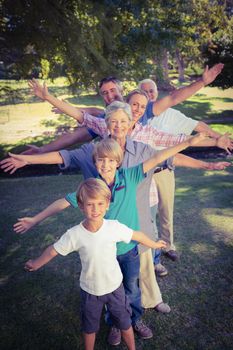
(160, 244)
(225, 142)
(12, 163)
(24, 224)
(37, 89)
(218, 165)
(209, 75)
(31, 265)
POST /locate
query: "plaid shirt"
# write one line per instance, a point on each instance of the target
(141, 133)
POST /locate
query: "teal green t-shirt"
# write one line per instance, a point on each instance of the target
(123, 205)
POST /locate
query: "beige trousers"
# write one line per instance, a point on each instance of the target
(165, 182)
(150, 292)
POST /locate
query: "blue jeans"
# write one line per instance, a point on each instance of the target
(156, 255)
(156, 252)
(130, 265)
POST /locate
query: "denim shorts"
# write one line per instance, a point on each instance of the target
(92, 306)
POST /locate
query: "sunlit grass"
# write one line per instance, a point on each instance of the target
(222, 129)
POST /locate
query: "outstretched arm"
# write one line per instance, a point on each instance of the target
(26, 223)
(161, 156)
(80, 135)
(16, 161)
(222, 141)
(180, 95)
(145, 240)
(46, 256)
(203, 127)
(189, 162)
(95, 111)
(42, 92)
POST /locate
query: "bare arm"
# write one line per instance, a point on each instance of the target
(26, 223)
(44, 258)
(161, 156)
(42, 92)
(16, 161)
(95, 111)
(189, 162)
(203, 127)
(222, 141)
(80, 135)
(183, 93)
(145, 240)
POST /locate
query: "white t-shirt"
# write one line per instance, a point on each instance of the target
(174, 122)
(101, 273)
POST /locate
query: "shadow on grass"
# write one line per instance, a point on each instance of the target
(32, 170)
(61, 126)
(22, 144)
(224, 117)
(87, 100)
(199, 109)
(17, 96)
(204, 111)
(205, 97)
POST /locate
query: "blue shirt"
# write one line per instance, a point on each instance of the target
(148, 114)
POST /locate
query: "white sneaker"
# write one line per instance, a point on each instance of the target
(163, 308)
(160, 270)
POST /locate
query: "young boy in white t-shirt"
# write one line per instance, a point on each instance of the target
(95, 239)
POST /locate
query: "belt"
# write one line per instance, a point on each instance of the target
(160, 168)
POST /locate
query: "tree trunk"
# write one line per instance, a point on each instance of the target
(180, 64)
(161, 75)
(165, 65)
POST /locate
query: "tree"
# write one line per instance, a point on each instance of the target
(220, 49)
(61, 32)
(89, 39)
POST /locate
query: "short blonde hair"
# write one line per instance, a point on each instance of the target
(136, 92)
(108, 148)
(92, 189)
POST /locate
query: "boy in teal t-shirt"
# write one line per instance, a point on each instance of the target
(123, 203)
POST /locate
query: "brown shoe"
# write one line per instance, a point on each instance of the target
(114, 337)
(142, 330)
(172, 254)
(163, 308)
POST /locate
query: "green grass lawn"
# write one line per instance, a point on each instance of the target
(40, 310)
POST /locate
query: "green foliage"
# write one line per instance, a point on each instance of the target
(45, 68)
(221, 50)
(86, 40)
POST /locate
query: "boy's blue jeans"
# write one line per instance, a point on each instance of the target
(156, 252)
(130, 265)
